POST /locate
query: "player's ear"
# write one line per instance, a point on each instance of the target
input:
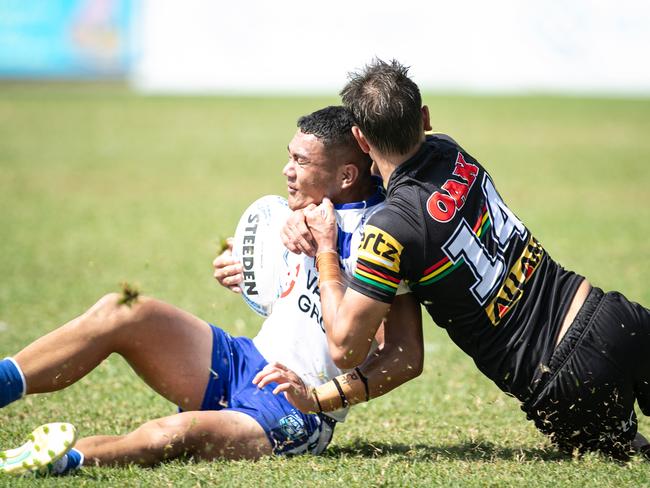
(426, 118)
(349, 175)
(361, 139)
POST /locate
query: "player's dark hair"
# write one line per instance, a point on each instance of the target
(386, 105)
(333, 127)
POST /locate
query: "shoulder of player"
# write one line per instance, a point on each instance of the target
(401, 222)
(438, 136)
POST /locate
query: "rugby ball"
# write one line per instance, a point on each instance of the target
(258, 246)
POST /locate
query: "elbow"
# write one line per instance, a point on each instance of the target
(417, 369)
(347, 353)
(416, 366)
(346, 359)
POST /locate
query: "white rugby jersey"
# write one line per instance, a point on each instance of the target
(294, 333)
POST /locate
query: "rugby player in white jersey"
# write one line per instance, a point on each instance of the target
(208, 373)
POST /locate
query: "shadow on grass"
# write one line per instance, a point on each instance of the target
(467, 451)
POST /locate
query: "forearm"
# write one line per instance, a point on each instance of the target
(331, 289)
(388, 368)
(383, 371)
(349, 329)
(331, 294)
(399, 359)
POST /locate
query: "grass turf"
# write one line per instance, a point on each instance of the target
(100, 186)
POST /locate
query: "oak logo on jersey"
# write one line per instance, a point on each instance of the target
(442, 205)
(512, 288)
(379, 247)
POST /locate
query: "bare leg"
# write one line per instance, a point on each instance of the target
(206, 435)
(167, 347)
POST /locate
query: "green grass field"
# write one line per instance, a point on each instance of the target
(99, 186)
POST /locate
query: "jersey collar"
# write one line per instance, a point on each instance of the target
(377, 197)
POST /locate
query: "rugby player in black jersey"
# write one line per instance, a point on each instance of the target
(574, 356)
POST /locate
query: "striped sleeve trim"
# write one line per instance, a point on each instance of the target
(379, 284)
(372, 289)
(361, 268)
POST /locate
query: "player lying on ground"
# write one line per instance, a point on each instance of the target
(577, 358)
(208, 373)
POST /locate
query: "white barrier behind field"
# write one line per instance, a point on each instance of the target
(291, 46)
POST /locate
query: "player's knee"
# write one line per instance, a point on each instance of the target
(165, 435)
(145, 310)
(106, 304)
(185, 434)
(110, 315)
(182, 434)
(114, 313)
(104, 313)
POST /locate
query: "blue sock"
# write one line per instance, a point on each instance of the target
(71, 461)
(12, 382)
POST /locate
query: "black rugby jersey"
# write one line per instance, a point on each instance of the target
(470, 261)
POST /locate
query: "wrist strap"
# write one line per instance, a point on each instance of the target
(327, 264)
(344, 400)
(340, 392)
(315, 393)
(365, 382)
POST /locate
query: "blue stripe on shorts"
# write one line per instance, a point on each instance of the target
(235, 362)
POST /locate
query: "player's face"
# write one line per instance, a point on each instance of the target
(311, 175)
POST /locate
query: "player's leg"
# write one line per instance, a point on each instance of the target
(588, 401)
(205, 435)
(642, 383)
(169, 348)
(642, 330)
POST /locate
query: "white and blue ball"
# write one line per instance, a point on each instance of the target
(258, 246)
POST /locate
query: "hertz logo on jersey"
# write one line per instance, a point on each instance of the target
(379, 247)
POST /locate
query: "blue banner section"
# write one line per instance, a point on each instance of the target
(65, 38)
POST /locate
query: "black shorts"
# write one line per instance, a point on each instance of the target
(585, 400)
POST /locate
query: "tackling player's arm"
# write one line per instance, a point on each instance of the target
(400, 356)
(396, 361)
(350, 318)
(351, 321)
